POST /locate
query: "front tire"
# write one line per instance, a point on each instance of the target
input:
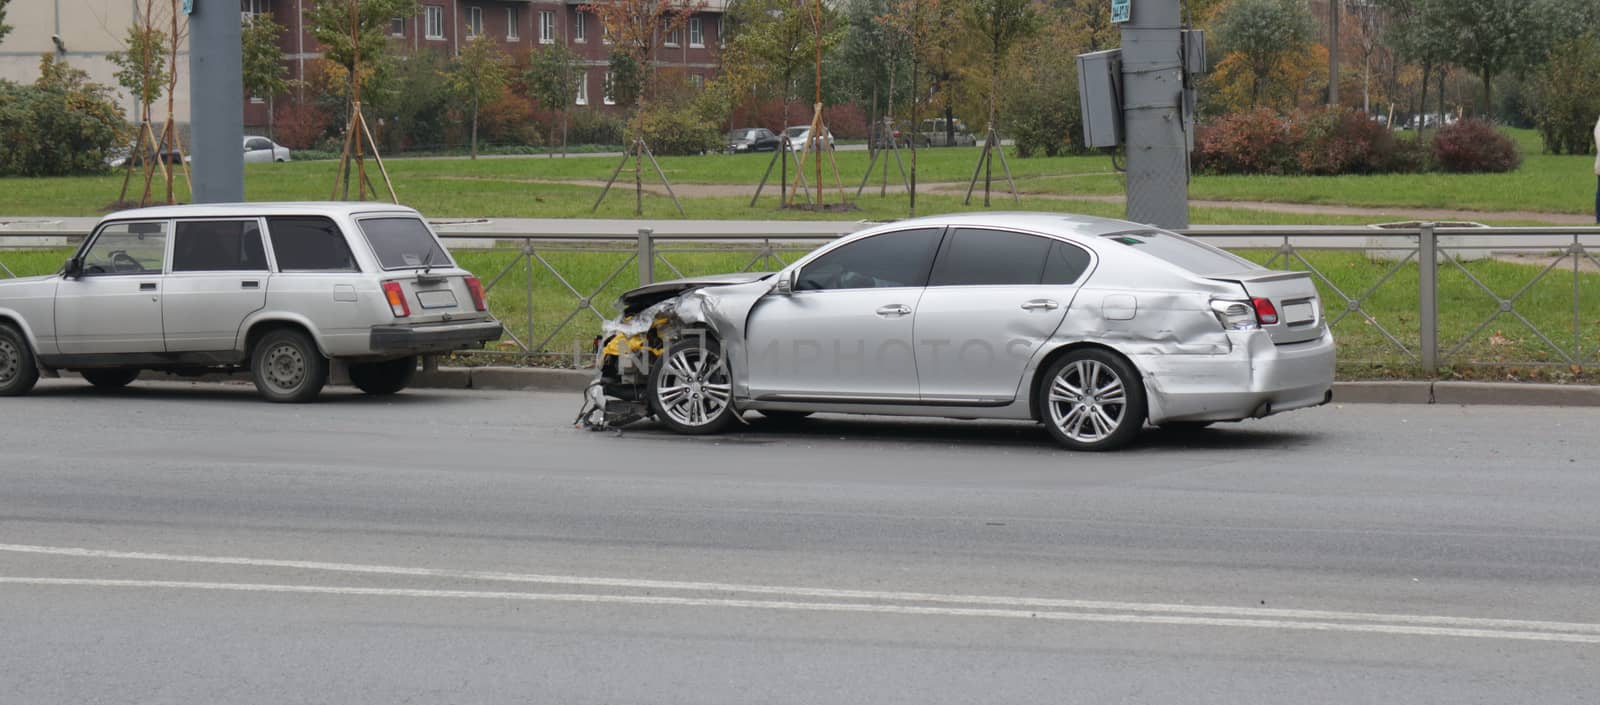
(288, 367)
(110, 379)
(1092, 400)
(383, 378)
(18, 371)
(691, 391)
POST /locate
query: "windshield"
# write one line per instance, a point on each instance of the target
(403, 242)
(1191, 255)
(796, 131)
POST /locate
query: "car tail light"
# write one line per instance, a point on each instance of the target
(475, 288)
(397, 299)
(1235, 315)
(1265, 312)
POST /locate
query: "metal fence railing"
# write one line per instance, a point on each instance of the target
(1420, 299)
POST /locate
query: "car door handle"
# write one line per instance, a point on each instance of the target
(1041, 305)
(250, 285)
(894, 310)
(147, 286)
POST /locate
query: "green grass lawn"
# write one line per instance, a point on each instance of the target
(1508, 347)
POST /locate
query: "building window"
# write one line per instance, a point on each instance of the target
(250, 8)
(580, 29)
(513, 19)
(675, 37)
(697, 80)
(435, 21)
(397, 26)
(606, 85)
(697, 33)
(547, 27)
(721, 36)
(474, 22)
(583, 89)
(605, 34)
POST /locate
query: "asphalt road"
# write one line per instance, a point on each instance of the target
(190, 544)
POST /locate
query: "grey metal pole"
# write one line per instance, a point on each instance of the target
(1428, 296)
(646, 256)
(1152, 80)
(216, 101)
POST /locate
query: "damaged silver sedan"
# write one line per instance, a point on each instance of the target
(1093, 327)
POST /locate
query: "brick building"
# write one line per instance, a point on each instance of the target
(521, 26)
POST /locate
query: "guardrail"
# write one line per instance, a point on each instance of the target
(1418, 299)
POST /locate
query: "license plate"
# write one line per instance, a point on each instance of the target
(1295, 314)
(436, 299)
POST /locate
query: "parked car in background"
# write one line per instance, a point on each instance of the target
(119, 157)
(800, 134)
(261, 149)
(933, 133)
(1092, 327)
(279, 290)
(752, 139)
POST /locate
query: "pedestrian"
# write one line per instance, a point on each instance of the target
(1597, 171)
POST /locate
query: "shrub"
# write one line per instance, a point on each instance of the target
(61, 125)
(1252, 142)
(1335, 141)
(1566, 96)
(509, 120)
(1474, 146)
(299, 125)
(593, 127)
(1042, 114)
(847, 121)
(678, 131)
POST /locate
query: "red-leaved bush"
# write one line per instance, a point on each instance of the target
(1474, 146)
(1253, 142)
(1336, 141)
(299, 125)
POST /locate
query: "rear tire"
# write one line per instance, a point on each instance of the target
(288, 367)
(691, 391)
(18, 371)
(383, 378)
(110, 379)
(1092, 399)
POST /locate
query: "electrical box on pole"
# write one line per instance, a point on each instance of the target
(1142, 97)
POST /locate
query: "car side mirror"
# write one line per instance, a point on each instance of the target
(785, 284)
(73, 268)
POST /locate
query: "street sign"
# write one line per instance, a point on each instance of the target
(1121, 10)
(188, 7)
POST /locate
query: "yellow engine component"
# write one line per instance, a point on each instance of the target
(634, 343)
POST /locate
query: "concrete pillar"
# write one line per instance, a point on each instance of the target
(1152, 80)
(216, 101)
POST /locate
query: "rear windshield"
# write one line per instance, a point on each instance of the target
(402, 243)
(1191, 255)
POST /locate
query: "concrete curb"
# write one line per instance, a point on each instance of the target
(1373, 392)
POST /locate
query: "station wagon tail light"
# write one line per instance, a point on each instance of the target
(475, 288)
(1235, 314)
(1265, 312)
(397, 299)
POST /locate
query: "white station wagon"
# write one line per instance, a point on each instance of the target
(282, 290)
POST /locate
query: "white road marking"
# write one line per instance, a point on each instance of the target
(816, 607)
(1245, 615)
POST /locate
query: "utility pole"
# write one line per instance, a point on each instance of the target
(1333, 51)
(1153, 122)
(216, 101)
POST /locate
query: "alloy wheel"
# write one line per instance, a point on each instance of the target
(1088, 401)
(694, 388)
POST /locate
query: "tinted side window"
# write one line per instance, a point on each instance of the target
(1066, 264)
(896, 259)
(975, 257)
(218, 246)
(309, 244)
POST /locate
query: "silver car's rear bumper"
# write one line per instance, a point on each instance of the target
(436, 338)
(1257, 378)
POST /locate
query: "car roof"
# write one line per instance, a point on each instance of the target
(222, 210)
(1067, 224)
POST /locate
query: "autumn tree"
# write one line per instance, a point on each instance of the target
(1419, 32)
(921, 26)
(1263, 34)
(999, 25)
(1492, 36)
(478, 76)
(330, 22)
(638, 27)
(871, 54)
(141, 64)
(552, 79)
(265, 75)
(778, 39)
